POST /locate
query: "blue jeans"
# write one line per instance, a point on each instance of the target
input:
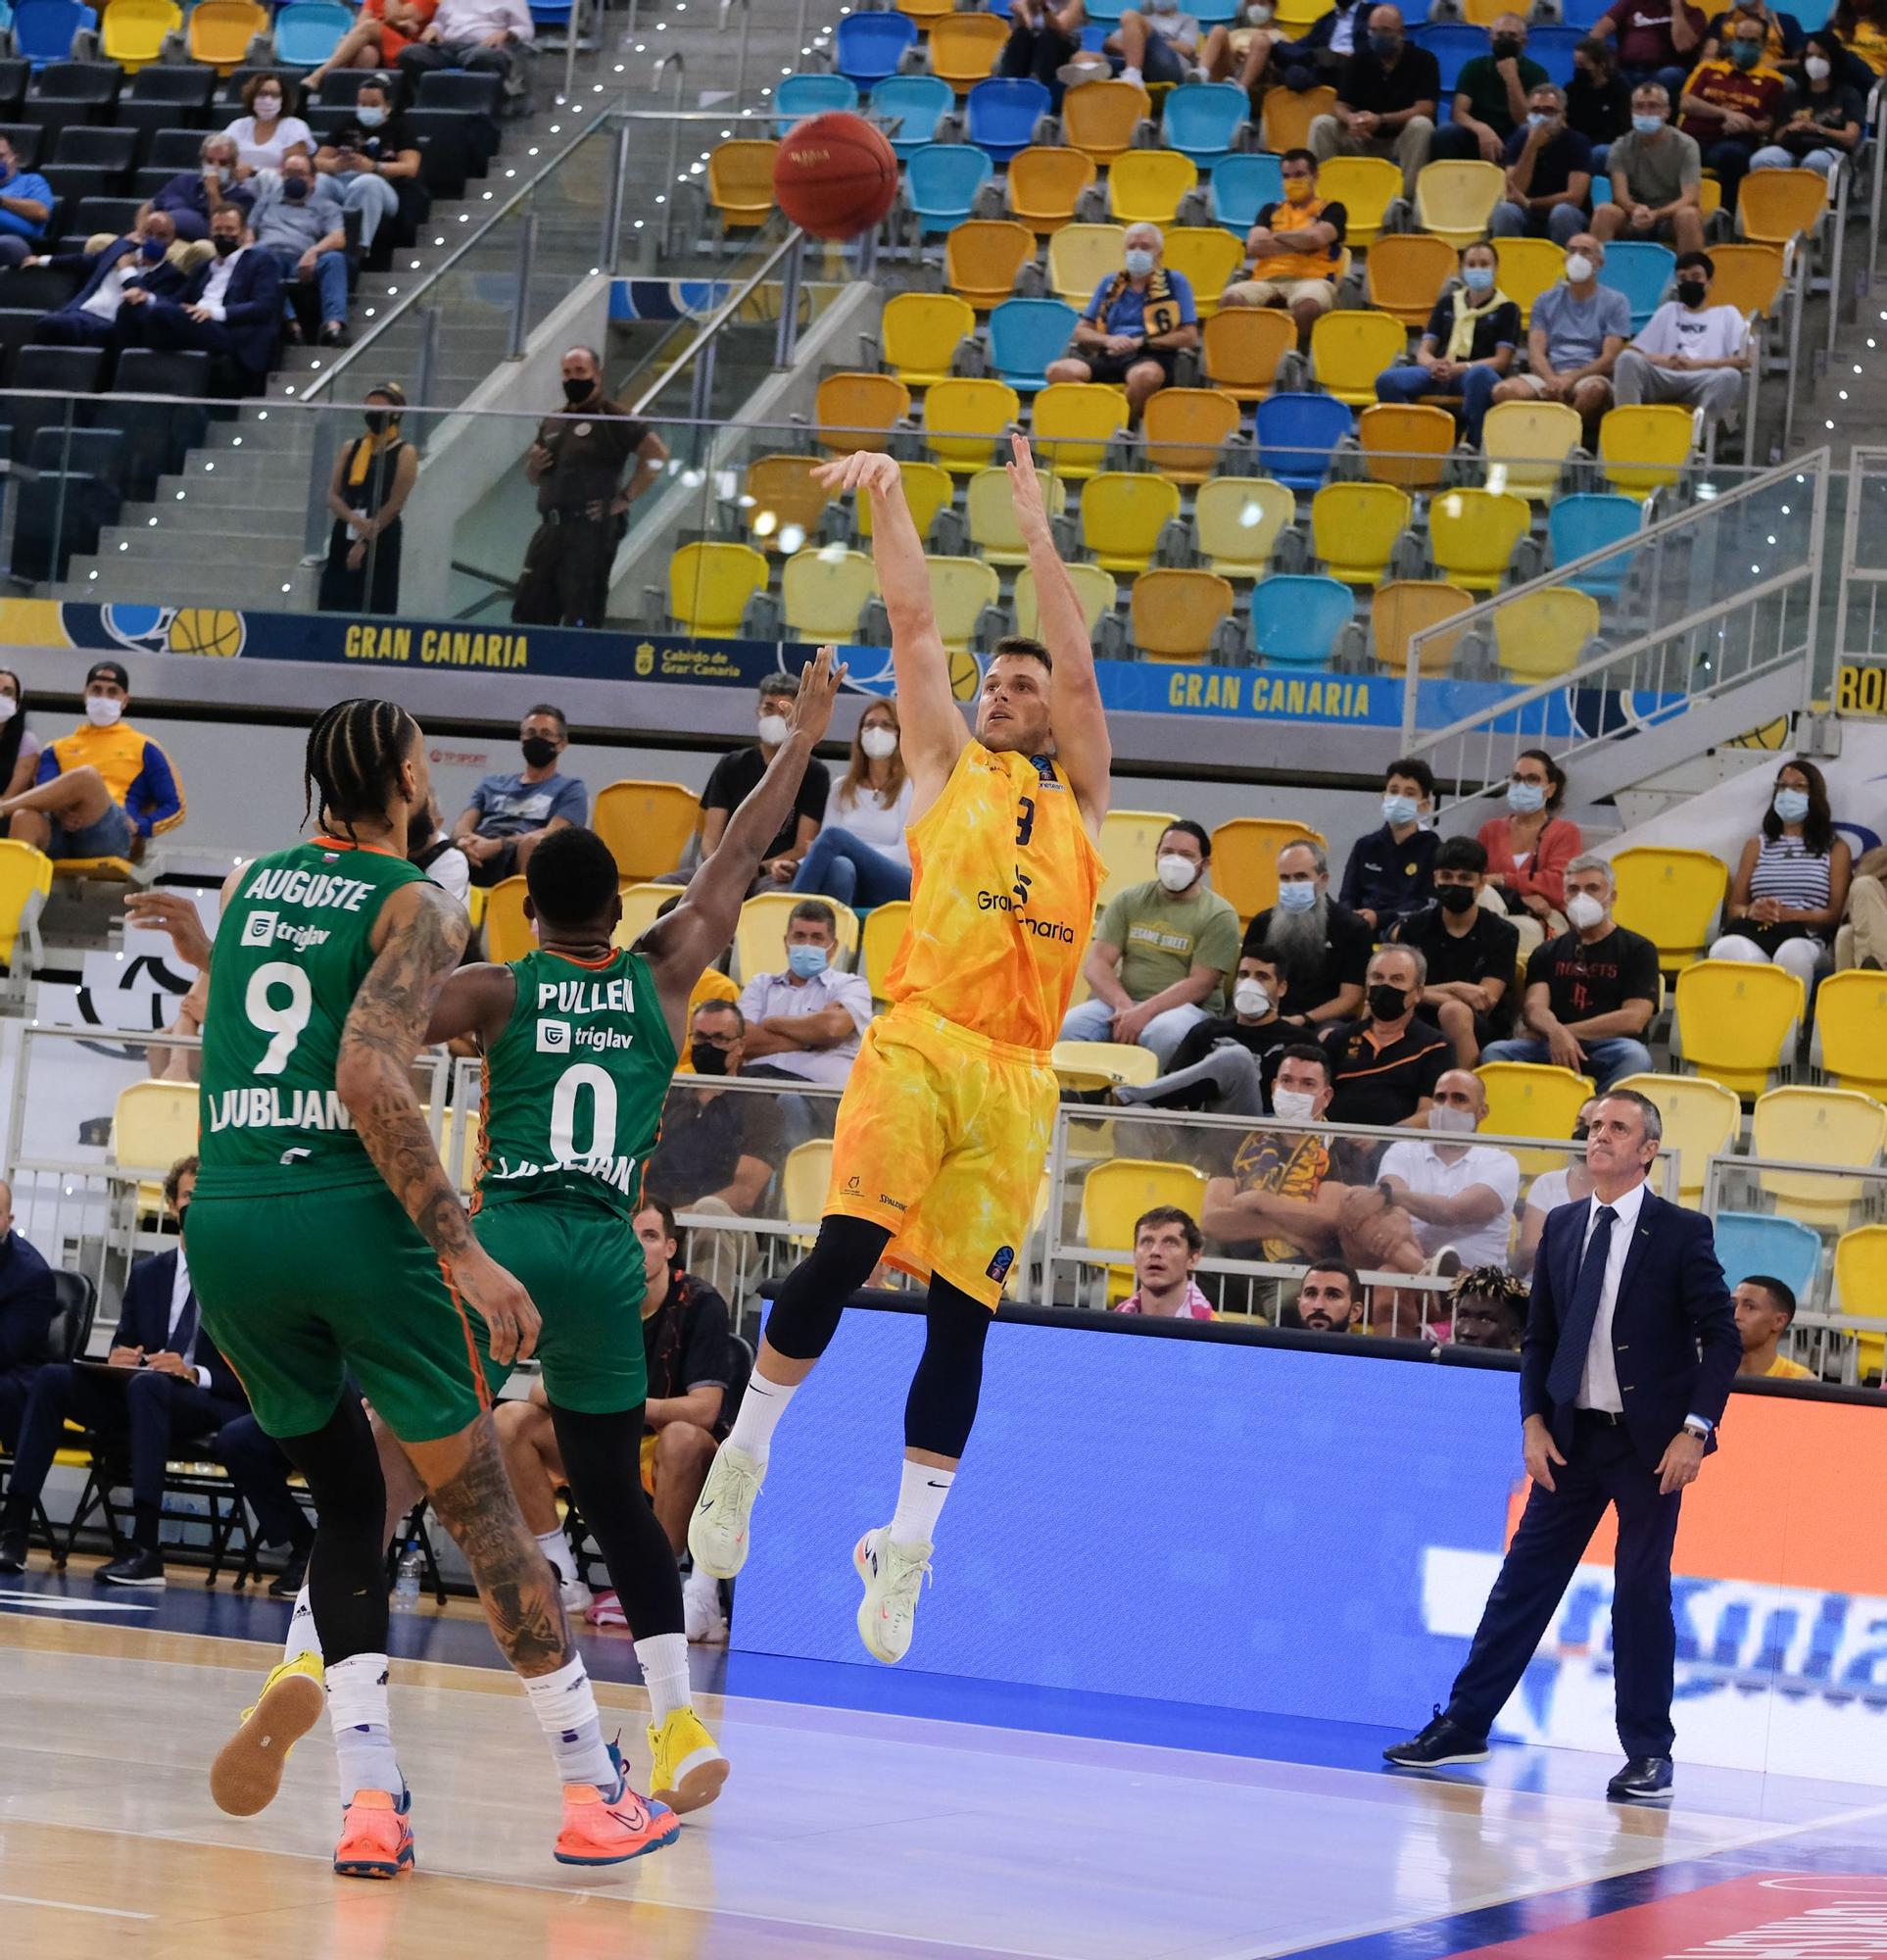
(330, 275)
(1606, 1062)
(1093, 1020)
(1409, 383)
(838, 866)
(1563, 224)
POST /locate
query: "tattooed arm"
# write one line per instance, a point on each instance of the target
(418, 937)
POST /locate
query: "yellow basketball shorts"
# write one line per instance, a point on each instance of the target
(940, 1139)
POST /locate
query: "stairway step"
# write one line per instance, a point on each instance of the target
(263, 548)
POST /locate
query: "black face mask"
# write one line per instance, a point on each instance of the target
(226, 243)
(1580, 1130)
(1386, 1003)
(1456, 899)
(1506, 48)
(375, 419)
(183, 1212)
(1691, 292)
(537, 750)
(575, 392)
(708, 1059)
(295, 189)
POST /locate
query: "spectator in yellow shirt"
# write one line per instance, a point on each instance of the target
(1764, 1306)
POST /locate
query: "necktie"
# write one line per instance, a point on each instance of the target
(1575, 1332)
(183, 1337)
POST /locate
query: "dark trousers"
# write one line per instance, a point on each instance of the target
(1730, 160)
(15, 1385)
(1037, 54)
(71, 326)
(567, 573)
(421, 58)
(260, 1472)
(1602, 1468)
(1454, 144)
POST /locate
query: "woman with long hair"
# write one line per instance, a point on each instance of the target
(18, 745)
(859, 855)
(1790, 888)
(1529, 848)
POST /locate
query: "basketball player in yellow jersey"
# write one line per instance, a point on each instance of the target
(945, 1124)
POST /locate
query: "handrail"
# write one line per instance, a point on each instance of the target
(746, 34)
(718, 319)
(672, 57)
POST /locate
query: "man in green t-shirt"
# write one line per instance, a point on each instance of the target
(1491, 98)
(1161, 952)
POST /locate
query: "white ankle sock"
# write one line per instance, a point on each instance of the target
(555, 1547)
(762, 1408)
(665, 1673)
(1129, 75)
(566, 1706)
(357, 1711)
(921, 1492)
(302, 1636)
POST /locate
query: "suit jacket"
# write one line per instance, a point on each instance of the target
(252, 305)
(144, 1321)
(1673, 1331)
(28, 1303)
(164, 280)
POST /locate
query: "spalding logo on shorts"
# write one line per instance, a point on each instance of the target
(998, 1268)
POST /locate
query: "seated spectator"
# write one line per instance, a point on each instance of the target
(1790, 887)
(1577, 332)
(27, 202)
(1730, 105)
(1167, 1246)
(1325, 48)
(1689, 351)
(1391, 870)
(1529, 848)
(1385, 101)
(804, 1022)
(1384, 1068)
(1592, 992)
(1571, 1185)
(102, 791)
(1225, 1066)
(1783, 36)
(1860, 27)
(718, 1153)
(1598, 100)
(1658, 41)
(1137, 324)
(1242, 51)
(231, 305)
(1820, 122)
(738, 772)
(174, 1386)
(259, 1471)
(373, 476)
(18, 745)
(1470, 952)
(1460, 1195)
(510, 816)
(1295, 250)
(1329, 1301)
(1549, 174)
(192, 198)
(380, 31)
(271, 133)
(1160, 45)
(1492, 94)
(1468, 346)
(1161, 952)
(487, 36)
(1043, 39)
(130, 273)
(368, 159)
(1657, 176)
(1324, 947)
(429, 846)
(1765, 1308)
(28, 1303)
(859, 855)
(298, 220)
(1487, 1308)
(1862, 941)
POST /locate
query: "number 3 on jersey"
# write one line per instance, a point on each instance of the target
(283, 1024)
(1025, 821)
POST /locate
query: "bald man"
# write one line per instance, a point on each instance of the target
(1459, 1193)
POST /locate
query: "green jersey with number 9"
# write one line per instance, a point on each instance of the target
(293, 946)
(574, 1084)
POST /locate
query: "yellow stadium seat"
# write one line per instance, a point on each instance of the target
(1473, 535)
(1526, 267)
(990, 509)
(857, 411)
(710, 585)
(921, 333)
(1073, 422)
(964, 48)
(461, 1148)
(1244, 346)
(1456, 200)
(1128, 841)
(1288, 115)
(981, 258)
(1644, 447)
(1366, 187)
(783, 504)
(1145, 187)
(508, 932)
(1861, 1280)
(928, 488)
(760, 939)
(964, 418)
(1208, 257)
(1354, 529)
(131, 32)
(1116, 1193)
(646, 825)
(740, 180)
(1532, 1099)
(1176, 614)
(1850, 1012)
(1820, 1126)
(1774, 206)
(1295, 14)
(823, 591)
(1736, 1021)
(1082, 256)
(1406, 443)
(1672, 897)
(1702, 1120)
(927, 13)
(1100, 117)
(641, 907)
(1122, 515)
(1045, 183)
(1543, 634)
(1084, 1066)
(803, 1181)
(1483, 12)
(1183, 431)
(1407, 270)
(153, 1125)
(1406, 607)
(1244, 859)
(475, 902)
(1094, 588)
(1236, 521)
(1748, 276)
(26, 882)
(1526, 444)
(221, 32)
(961, 588)
(1349, 349)
(883, 934)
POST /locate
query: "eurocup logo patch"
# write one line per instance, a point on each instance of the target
(553, 1038)
(998, 1268)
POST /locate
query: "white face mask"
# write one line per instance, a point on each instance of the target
(773, 729)
(101, 711)
(1293, 1105)
(1399, 809)
(1296, 895)
(1175, 872)
(1579, 268)
(8, 708)
(1444, 1116)
(879, 742)
(1583, 911)
(1250, 1000)
(1817, 68)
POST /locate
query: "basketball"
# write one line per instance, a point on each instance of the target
(202, 629)
(835, 176)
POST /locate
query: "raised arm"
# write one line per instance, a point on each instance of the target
(680, 948)
(477, 1000)
(1075, 710)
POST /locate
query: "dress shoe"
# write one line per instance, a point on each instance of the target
(1643, 1779)
(288, 1582)
(139, 1566)
(1441, 1743)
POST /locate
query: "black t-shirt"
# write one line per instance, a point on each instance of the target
(1267, 1041)
(1347, 946)
(1383, 1086)
(1583, 982)
(1368, 84)
(377, 146)
(737, 774)
(685, 1341)
(703, 1141)
(1487, 950)
(1601, 112)
(1499, 327)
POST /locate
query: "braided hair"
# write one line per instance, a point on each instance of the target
(353, 754)
(1494, 1283)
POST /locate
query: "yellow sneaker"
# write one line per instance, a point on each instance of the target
(689, 1770)
(248, 1769)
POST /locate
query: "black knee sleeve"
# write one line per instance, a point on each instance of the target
(602, 1460)
(806, 1310)
(940, 1408)
(347, 1575)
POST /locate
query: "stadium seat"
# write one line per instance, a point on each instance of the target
(1044, 184)
(44, 30)
(1773, 207)
(1406, 607)
(1296, 434)
(153, 1125)
(1588, 523)
(1407, 270)
(26, 881)
(641, 905)
(762, 932)
(1241, 187)
(1145, 187)
(647, 826)
(1850, 1012)
(1405, 443)
(1100, 117)
(1672, 897)
(739, 182)
(1073, 423)
(1002, 112)
(1526, 267)
(1454, 43)
(805, 1179)
(920, 333)
(1860, 1255)
(782, 503)
(1532, 1099)
(1750, 276)
(981, 258)
(1736, 1021)
(1116, 1191)
(797, 96)
(308, 33)
(1456, 201)
(1123, 514)
(1749, 1243)
(1297, 616)
(1025, 335)
(1366, 187)
(1082, 256)
(942, 180)
(131, 32)
(1201, 120)
(867, 48)
(1838, 1127)
(823, 590)
(1355, 528)
(1094, 588)
(1184, 432)
(1208, 258)
(1526, 444)
(910, 107)
(1543, 634)
(964, 416)
(1702, 1120)
(858, 410)
(961, 588)
(963, 52)
(928, 488)
(1473, 535)
(221, 32)
(1244, 859)
(926, 12)
(1640, 270)
(1236, 521)
(1349, 349)
(1289, 114)
(709, 584)
(1128, 841)
(1176, 614)
(1645, 446)
(989, 511)
(882, 933)
(1242, 347)
(1088, 1066)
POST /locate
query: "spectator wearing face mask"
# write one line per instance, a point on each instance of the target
(299, 222)
(1469, 950)
(1491, 97)
(271, 133)
(1138, 323)
(231, 305)
(859, 855)
(1324, 945)
(1820, 122)
(1657, 175)
(1242, 51)
(1384, 1068)
(1225, 1066)
(192, 198)
(1578, 329)
(430, 848)
(27, 202)
(1549, 174)
(1529, 848)
(1158, 964)
(373, 477)
(1730, 105)
(128, 276)
(511, 816)
(1469, 345)
(1790, 887)
(1598, 100)
(368, 159)
(1385, 101)
(1689, 351)
(1295, 249)
(1391, 870)
(1782, 35)
(1459, 1193)
(1167, 1245)
(804, 1022)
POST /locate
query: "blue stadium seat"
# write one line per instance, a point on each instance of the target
(1242, 187)
(1641, 271)
(1297, 616)
(1025, 335)
(1201, 119)
(1454, 45)
(44, 30)
(911, 106)
(942, 181)
(307, 31)
(798, 96)
(1296, 434)
(1747, 1242)
(1001, 115)
(869, 46)
(1552, 47)
(1590, 523)
(1584, 14)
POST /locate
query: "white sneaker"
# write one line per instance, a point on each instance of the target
(702, 1620)
(894, 1576)
(576, 1596)
(717, 1532)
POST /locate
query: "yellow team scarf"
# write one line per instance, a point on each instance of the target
(367, 448)
(1468, 316)
(1159, 309)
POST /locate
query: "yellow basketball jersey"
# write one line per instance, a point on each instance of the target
(1004, 878)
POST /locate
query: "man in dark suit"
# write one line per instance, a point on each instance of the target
(1626, 1366)
(232, 304)
(27, 1307)
(128, 276)
(174, 1386)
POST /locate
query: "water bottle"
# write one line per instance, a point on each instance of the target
(405, 1581)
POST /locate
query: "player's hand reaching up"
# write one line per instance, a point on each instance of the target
(820, 681)
(1025, 486)
(865, 469)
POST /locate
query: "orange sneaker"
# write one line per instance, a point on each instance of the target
(376, 1840)
(599, 1829)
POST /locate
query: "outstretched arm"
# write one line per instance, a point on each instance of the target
(681, 946)
(1074, 710)
(476, 1001)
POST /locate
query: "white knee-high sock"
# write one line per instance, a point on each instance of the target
(921, 1490)
(761, 1408)
(665, 1673)
(358, 1713)
(566, 1706)
(303, 1638)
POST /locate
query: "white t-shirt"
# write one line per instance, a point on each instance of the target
(1417, 1162)
(287, 132)
(1717, 333)
(872, 822)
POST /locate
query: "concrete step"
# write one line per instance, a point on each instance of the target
(261, 543)
(98, 582)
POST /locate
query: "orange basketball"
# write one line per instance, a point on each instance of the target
(835, 176)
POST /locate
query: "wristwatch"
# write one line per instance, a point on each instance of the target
(1695, 1425)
